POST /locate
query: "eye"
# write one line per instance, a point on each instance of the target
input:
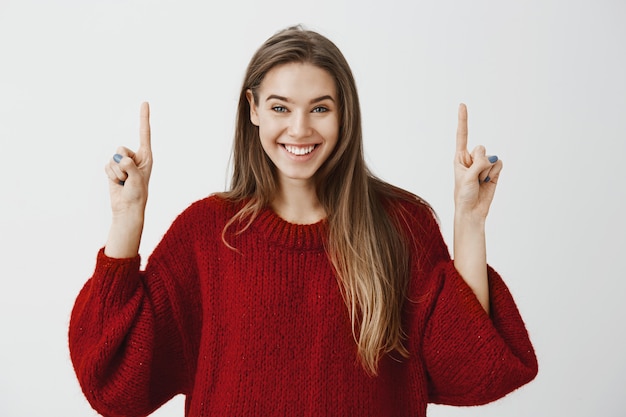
(320, 109)
(279, 109)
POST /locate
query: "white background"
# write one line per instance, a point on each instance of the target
(545, 84)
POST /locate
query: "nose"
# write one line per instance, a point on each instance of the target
(300, 125)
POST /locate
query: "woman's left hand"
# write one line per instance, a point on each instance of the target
(475, 175)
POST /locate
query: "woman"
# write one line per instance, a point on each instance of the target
(310, 287)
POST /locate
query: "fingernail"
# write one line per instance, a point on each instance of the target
(493, 159)
(117, 157)
(487, 178)
(120, 182)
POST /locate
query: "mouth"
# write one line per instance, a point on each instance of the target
(299, 150)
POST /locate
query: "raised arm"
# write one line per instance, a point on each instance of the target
(126, 336)
(129, 173)
(475, 180)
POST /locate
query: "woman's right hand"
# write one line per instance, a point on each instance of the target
(129, 175)
(129, 171)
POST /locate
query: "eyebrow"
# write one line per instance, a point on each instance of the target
(315, 100)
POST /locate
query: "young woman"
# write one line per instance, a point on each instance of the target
(310, 287)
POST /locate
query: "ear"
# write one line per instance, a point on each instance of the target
(254, 114)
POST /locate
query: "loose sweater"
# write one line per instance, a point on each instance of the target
(263, 330)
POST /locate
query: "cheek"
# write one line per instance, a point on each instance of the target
(330, 129)
(263, 132)
(268, 126)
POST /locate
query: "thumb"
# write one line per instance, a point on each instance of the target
(127, 166)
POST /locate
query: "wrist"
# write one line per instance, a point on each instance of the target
(130, 217)
(467, 219)
(125, 235)
(469, 236)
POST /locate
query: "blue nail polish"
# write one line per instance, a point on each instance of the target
(117, 157)
(487, 178)
(493, 159)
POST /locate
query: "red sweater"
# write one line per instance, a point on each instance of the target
(265, 332)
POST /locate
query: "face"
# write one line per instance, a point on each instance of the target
(298, 120)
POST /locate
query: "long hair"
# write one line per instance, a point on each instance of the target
(365, 245)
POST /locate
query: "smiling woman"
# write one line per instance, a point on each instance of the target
(310, 287)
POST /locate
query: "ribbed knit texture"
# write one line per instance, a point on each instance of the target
(263, 331)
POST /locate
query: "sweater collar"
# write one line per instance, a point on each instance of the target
(282, 233)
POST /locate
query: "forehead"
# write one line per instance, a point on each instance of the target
(298, 80)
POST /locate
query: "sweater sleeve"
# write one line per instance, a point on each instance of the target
(126, 338)
(471, 357)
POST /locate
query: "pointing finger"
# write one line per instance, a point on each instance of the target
(461, 130)
(144, 127)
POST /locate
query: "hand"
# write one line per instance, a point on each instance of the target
(129, 172)
(475, 175)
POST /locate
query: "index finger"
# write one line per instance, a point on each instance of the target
(461, 130)
(144, 126)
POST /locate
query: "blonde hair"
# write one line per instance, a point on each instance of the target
(366, 244)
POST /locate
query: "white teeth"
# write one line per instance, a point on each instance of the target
(299, 150)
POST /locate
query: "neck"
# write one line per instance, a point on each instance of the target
(297, 202)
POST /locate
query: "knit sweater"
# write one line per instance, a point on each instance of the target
(263, 330)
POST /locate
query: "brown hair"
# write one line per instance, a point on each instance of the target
(365, 244)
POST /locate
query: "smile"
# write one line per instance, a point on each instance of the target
(299, 150)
